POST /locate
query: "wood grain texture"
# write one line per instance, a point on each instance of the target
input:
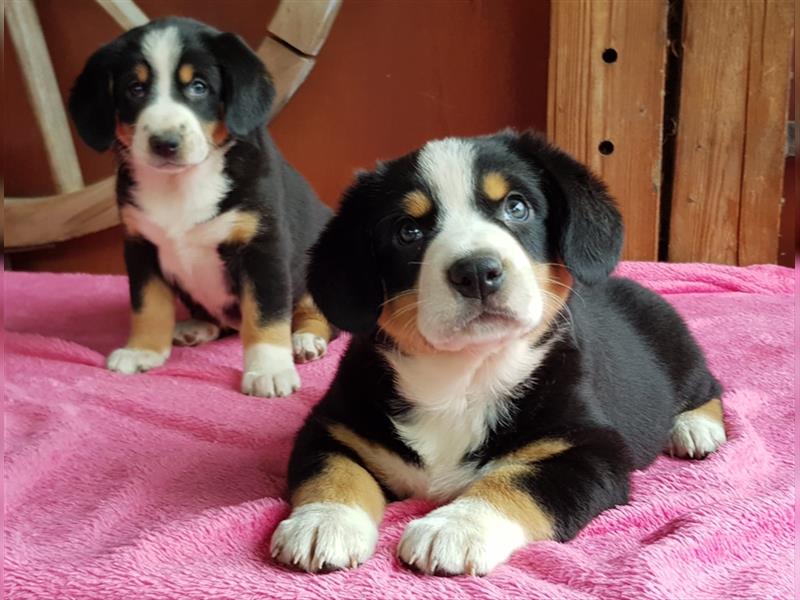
(767, 109)
(40, 80)
(591, 100)
(731, 132)
(304, 25)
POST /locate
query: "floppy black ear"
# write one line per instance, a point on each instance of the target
(247, 87)
(91, 101)
(343, 275)
(584, 221)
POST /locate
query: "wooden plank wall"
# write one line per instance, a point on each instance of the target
(727, 174)
(606, 86)
(731, 133)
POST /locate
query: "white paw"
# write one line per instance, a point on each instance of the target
(193, 332)
(695, 436)
(466, 537)
(269, 371)
(133, 360)
(324, 536)
(308, 347)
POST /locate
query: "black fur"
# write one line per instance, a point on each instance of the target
(622, 366)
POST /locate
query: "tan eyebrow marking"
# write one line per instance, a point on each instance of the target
(142, 72)
(186, 73)
(495, 186)
(417, 204)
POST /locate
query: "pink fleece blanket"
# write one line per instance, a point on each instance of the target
(169, 484)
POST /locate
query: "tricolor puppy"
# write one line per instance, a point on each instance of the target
(212, 212)
(495, 366)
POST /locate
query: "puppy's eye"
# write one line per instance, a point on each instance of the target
(197, 88)
(516, 207)
(137, 90)
(408, 232)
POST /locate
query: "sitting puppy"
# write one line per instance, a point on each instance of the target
(212, 212)
(495, 364)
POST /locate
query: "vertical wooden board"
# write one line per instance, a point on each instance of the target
(704, 223)
(591, 101)
(765, 139)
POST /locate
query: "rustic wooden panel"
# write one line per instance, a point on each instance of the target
(591, 101)
(764, 147)
(731, 133)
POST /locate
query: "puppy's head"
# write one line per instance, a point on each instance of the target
(464, 243)
(169, 92)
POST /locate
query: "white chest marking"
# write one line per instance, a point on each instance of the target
(177, 212)
(457, 400)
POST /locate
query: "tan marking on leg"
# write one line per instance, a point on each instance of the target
(403, 478)
(153, 324)
(308, 319)
(538, 451)
(186, 73)
(142, 73)
(711, 409)
(499, 487)
(398, 320)
(342, 480)
(124, 133)
(417, 204)
(495, 186)
(244, 228)
(254, 330)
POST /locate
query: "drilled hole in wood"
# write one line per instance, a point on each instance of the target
(606, 147)
(609, 55)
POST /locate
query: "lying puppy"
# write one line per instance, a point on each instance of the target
(495, 364)
(212, 212)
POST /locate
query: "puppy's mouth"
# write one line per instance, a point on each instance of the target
(484, 325)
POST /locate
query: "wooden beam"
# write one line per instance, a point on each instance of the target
(606, 86)
(288, 70)
(731, 134)
(40, 80)
(125, 12)
(48, 219)
(304, 25)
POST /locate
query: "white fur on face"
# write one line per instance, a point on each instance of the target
(445, 318)
(164, 115)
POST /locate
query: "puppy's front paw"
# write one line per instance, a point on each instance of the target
(324, 536)
(269, 371)
(134, 360)
(308, 347)
(466, 537)
(695, 436)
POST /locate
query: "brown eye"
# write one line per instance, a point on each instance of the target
(137, 90)
(516, 207)
(408, 232)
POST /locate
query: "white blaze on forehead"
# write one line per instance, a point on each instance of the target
(448, 167)
(162, 49)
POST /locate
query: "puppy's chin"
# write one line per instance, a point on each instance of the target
(155, 163)
(484, 331)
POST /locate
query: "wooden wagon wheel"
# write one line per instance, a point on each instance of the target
(294, 37)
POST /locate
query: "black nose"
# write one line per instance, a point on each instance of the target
(165, 146)
(476, 276)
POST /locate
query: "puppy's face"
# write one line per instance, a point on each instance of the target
(169, 92)
(460, 244)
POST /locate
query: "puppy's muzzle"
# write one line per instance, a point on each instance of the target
(165, 145)
(477, 276)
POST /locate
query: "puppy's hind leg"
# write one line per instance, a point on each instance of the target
(698, 432)
(193, 332)
(311, 331)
